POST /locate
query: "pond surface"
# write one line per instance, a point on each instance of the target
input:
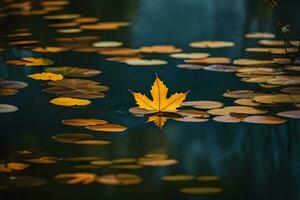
(251, 161)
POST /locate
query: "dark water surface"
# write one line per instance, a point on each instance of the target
(253, 161)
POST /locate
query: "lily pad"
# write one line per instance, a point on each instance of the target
(212, 44)
(83, 122)
(264, 120)
(295, 114)
(74, 72)
(6, 108)
(66, 101)
(201, 190)
(119, 179)
(107, 128)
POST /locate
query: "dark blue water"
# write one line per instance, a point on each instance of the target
(253, 161)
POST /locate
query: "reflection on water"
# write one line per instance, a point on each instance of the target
(253, 161)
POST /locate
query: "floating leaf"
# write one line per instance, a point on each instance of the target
(24, 34)
(87, 167)
(203, 104)
(191, 119)
(69, 30)
(259, 70)
(277, 98)
(144, 62)
(101, 162)
(220, 68)
(7, 92)
(201, 190)
(107, 128)
(240, 94)
(264, 120)
(23, 42)
(178, 177)
(63, 24)
(92, 142)
(160, 49)
(210, 60)
(160, 102)
(248, 62)
(280, 51)
(105, 44)
(81, 158)
(192, 113)
(83, 122)
(124, 160)
(46, 76)
(62, 16)
(291, 90)
(208, 178)
(227, 119)
(260, 35)
(13, 166)
(7, 84)
(43, 160)
(119, 52)
(6, 108)
(75, 72)
(246, 102)
(157, 162)
(295, 114)
(119, 179)
(83, 20)
(104, 26)
(190, 55)
(277, 42)
(31, 62)
(76, 88)
(50, 49)
(190, 66)
(130, 167)
(76, 178)
(140, 111)
(211, 44)
(66, 101)
(284, 80)
(236, 109)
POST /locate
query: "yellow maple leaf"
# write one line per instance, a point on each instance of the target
(160, 102)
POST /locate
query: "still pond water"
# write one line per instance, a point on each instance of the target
(251, 161)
